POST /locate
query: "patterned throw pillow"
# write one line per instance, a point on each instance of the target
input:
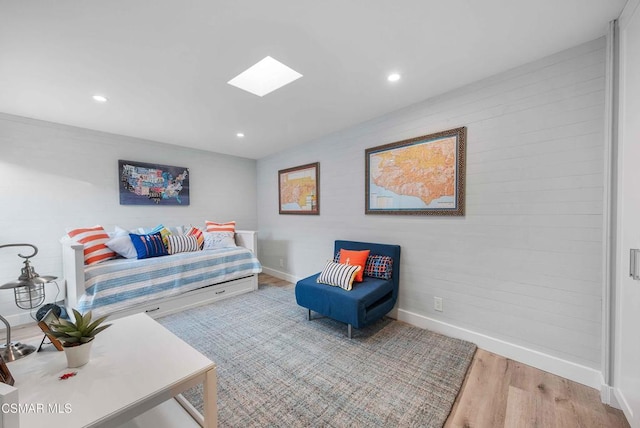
(94, 240)
(338, 275)
(216, 240)
(194, 231)
(164, 233)
(212, 226)
(379, 267)
(376, 267)
(148, 246)
(182, 244)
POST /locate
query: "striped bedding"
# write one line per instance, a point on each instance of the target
(123, 283)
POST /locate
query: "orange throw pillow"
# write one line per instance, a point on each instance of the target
(355, 258)
(212, 226)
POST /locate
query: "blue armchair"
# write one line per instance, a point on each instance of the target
(367, 302)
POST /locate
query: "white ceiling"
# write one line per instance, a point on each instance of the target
(164, 64)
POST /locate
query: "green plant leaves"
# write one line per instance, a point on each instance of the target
(80, 331)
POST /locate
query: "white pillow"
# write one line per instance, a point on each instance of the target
(121, 244)
(215, 240)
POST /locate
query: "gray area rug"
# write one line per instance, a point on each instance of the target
(276, 369)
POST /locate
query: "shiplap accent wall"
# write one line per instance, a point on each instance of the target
(523, 267)
(55, 177)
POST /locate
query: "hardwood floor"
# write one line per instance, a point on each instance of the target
(263, 278)
(499, 392)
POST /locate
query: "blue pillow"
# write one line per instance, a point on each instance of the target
(148, 246)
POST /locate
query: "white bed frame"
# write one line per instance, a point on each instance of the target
(73, 268)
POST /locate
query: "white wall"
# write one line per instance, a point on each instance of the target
(54, 177)
(521, 273)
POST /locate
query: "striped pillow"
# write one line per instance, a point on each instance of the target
(182, 244)
(212, 226)
(94, 240)
(148, 246)
(194, 231)
(338, 275)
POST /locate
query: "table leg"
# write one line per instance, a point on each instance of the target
(210, 396)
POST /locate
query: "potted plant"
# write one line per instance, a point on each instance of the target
(77, 337)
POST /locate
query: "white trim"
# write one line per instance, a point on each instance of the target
(22, 318)
(605, 393)
(15, 321)
(608, 393)
(621, 403)
(567, 369)
(281, 275)
(608, 238)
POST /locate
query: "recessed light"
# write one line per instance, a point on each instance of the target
(393, 77)
(265, 76)
(240, 135)
(99, 98)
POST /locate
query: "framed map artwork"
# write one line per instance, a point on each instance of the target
(152, 184)
(298, 189)
(420, 176)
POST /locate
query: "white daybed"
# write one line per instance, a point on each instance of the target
(200, 292)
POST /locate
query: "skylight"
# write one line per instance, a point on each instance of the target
(264, 77)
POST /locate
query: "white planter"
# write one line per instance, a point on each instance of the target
(78, 355)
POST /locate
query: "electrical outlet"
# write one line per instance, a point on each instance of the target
(281, 263)
(437, 304)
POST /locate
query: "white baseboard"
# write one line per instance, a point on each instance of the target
(281, 275)
(17, 320)
(621, 403)
(23, 317)
(608, 396)
(567, 369)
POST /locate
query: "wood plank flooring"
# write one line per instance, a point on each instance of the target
(499, 392)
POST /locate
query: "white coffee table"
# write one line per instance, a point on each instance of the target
(137, 367)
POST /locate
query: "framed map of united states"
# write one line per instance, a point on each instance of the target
(152, 184)
(420, 176)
